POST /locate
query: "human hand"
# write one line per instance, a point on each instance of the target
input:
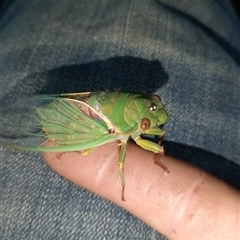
(188, 203)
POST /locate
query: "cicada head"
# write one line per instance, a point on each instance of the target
(153, 116)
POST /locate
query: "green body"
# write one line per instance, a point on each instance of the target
(84, 121)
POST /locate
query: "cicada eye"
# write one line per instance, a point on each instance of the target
(145, 124)
(153, 107)
(156, 97)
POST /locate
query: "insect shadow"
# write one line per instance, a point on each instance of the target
(118, 73)
(210, 162)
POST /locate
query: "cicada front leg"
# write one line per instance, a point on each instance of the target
(153, 147)
(157, 156)
(157, 160)
(161, 141)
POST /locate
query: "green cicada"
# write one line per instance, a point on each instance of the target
(83, 121)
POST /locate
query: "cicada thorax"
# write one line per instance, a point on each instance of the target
(134, 113)
(122, 109)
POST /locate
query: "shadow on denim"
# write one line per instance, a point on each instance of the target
(119, 73)
(215, 164)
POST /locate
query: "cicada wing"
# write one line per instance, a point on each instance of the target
(20, 122)
(69, 123)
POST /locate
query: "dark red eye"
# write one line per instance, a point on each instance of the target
(156, 97)
(145, 124)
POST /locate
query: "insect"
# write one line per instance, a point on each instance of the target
(83, 121)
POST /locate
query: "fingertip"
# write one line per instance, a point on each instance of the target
(165, 202)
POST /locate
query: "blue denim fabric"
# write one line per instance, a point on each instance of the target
(188, 53)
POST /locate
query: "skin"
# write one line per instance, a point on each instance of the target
(188, 203)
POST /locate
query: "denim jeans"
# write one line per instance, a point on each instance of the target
(188, 53)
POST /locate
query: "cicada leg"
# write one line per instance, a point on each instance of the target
(157, 160)
(121, 162)
(153, 147)
(158, 155)
(86, 152)
(59, 155)
(161, 140)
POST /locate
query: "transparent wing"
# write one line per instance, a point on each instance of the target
(71, 124)
(20, 120)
